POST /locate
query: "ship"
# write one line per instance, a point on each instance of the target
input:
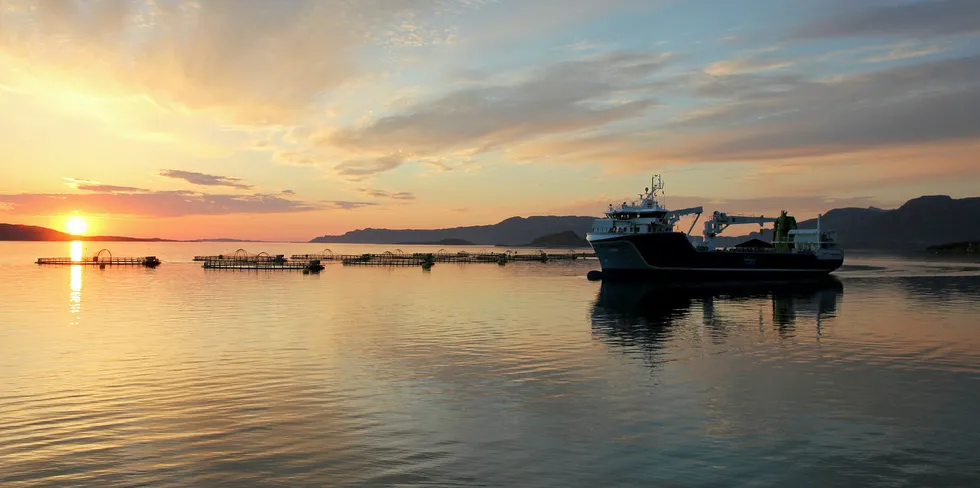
(639, 240)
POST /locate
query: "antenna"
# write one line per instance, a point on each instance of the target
(663, 193)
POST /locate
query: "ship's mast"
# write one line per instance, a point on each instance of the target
(649, 199)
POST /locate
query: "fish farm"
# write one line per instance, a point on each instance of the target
(102, 259)
(399, 258)
(311, 266)
(313, 263)
(242, 255)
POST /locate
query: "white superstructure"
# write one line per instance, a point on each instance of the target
(642, 216)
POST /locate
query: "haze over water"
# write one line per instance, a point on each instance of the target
(479, 375)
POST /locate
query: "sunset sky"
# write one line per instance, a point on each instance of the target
(291, 119)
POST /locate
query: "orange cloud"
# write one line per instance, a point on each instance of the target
(203, 179)
(253, 62)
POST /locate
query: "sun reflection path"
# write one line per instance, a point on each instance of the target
(75, 281)
(76, 250)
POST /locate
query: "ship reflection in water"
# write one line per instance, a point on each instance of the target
(646, 315)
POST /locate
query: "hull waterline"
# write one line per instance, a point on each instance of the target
(671, 257)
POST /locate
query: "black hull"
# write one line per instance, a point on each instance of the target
(713, 276)
(671, 257)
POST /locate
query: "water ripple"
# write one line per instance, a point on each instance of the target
(523, 375)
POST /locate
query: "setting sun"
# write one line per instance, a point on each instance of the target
(76, 225)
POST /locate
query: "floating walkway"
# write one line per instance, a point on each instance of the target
(312, 263)
(242, 255)
(102, 259)
(310, 266)
(419, 259)
(388, 260)
(243, 261)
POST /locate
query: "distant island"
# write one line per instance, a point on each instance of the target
(956, 247)
(564, 239)
(441, 242)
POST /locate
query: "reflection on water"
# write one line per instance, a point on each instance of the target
(75, 250)
(75, 285)
(75, 281)
(815, 301)
(523, 375)
(644, 313)
(864, 388)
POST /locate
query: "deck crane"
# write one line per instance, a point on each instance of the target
(676, 215)
(720, 221)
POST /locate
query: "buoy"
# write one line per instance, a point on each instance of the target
(594, 275)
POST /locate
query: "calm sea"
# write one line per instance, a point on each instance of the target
(478, 375)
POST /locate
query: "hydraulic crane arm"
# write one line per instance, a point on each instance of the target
(677, 214)
(687, 211)
(720, 221)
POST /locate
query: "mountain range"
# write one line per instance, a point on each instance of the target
(919, 223)
(510, 232)
(17, 232)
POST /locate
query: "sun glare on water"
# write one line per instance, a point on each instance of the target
(76, 225)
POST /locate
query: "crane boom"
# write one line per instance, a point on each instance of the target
(720, 221)
(677, 214)
(687, 211)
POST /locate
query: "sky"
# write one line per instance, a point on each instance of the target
(289, 119)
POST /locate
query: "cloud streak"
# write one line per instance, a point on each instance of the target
(925, 102)
(928, 18)
(444, 167)
(755, 61)
(780, 117)
(94, 186)
(347, 205)
(562, 98)
(398, 195)
(204, 179)
(369, 167)
(904, 52)
(110, 189)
